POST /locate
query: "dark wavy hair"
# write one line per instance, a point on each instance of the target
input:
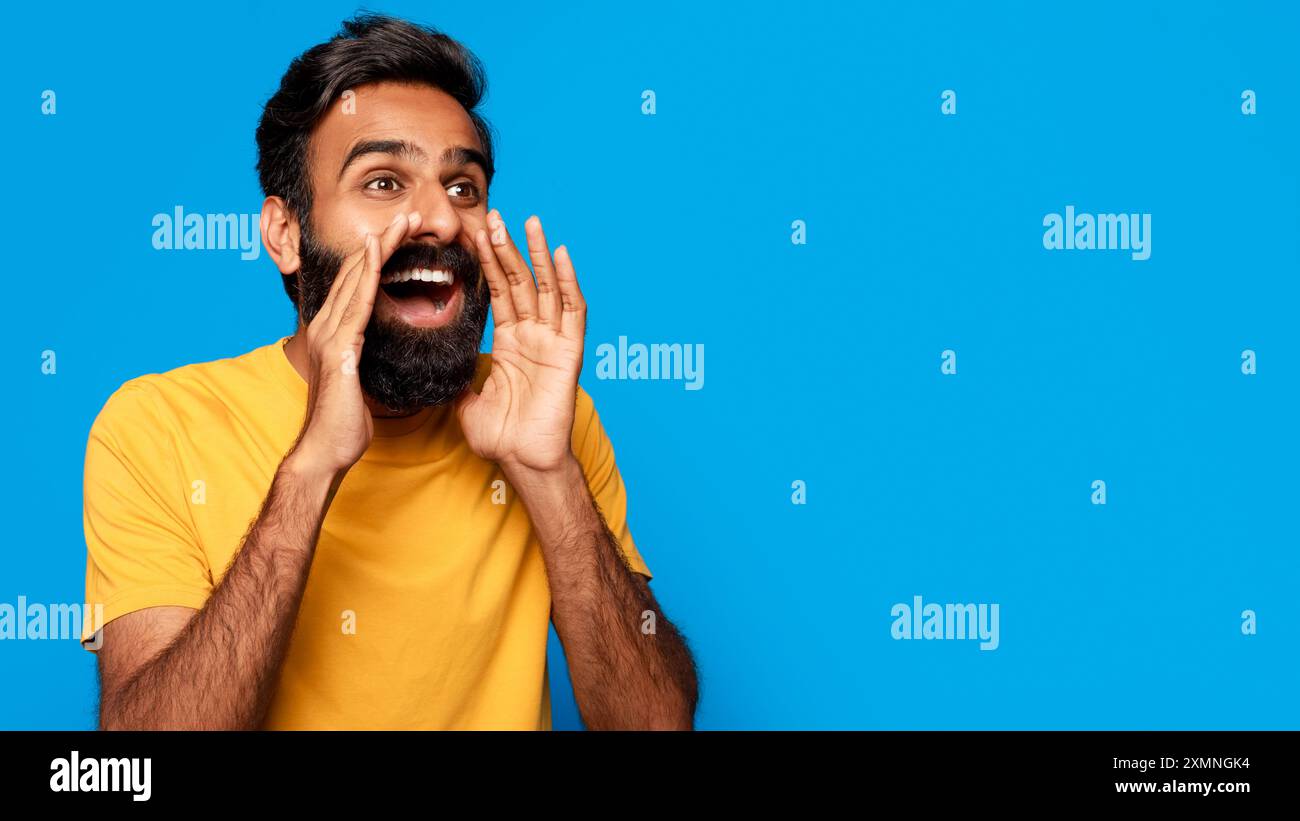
(370, 48)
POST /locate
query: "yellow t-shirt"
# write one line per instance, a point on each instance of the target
(427, 604)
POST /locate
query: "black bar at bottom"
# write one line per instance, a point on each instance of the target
(1219, 769)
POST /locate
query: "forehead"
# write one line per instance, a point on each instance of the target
(425, 116)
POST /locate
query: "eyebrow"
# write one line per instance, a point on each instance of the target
(453, 155)
(463, 155)
(397, 148)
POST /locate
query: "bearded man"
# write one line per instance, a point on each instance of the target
(390, 519)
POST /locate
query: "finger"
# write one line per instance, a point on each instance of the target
(388, 242)
(573, 313)
(357, 314)
(328, 312)
(402, 226)
(348, 285)
(548, 292)
(503, 306)
(522, 290)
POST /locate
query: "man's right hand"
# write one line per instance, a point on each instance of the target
(214, 668)
(338, 426)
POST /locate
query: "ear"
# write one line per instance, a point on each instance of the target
(280, 235)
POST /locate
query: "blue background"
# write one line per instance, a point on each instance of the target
(822, 360)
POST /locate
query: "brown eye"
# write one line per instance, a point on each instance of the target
(463, 190)
(385, 184)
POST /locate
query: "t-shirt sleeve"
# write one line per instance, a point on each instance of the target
(596, 454)
(141, 547)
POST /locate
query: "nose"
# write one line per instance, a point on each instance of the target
(440, 222)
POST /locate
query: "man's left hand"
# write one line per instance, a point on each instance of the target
(522, 419)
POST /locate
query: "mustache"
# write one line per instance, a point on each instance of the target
(454, 258)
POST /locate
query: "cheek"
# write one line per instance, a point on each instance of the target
(471, 223)
(467, 241)
(356, 225)
(346, 227)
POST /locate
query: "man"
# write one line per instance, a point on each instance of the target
(368, 523)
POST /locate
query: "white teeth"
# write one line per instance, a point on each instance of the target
(419, 275)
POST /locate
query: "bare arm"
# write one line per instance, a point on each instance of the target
(630, 667)
(523, 420)
(217, 669)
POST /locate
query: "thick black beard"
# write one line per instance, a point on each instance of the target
(402, 367)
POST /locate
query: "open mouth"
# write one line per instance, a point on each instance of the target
(422, 296)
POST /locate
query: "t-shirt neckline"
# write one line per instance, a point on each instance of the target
(385, 426)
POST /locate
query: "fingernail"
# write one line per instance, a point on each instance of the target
(398, 218)
(416, 218)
